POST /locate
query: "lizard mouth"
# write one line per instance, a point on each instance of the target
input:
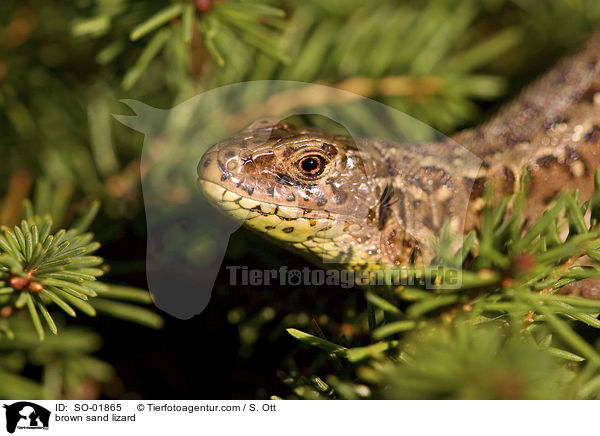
(283, 223)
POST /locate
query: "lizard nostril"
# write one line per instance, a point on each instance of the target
(232, 164)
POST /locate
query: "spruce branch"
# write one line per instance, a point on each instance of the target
(509, 294)
(216, 24)
(39, 268)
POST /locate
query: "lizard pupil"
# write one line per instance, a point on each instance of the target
(311, 164)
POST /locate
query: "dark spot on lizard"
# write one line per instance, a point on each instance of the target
(340, 197)
(271, 191)
(290, 197)
(248, 189)
(477, 186)
(371, 215)
(287, 229)
(430, 178)
(593, 136)
(571, 155)
(329, 149)
(547, 161)
(508, 180)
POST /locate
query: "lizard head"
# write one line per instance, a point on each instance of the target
(319, 192)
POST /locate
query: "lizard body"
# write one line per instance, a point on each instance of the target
(365, 203)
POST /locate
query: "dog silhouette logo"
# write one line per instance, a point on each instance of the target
(26, 415)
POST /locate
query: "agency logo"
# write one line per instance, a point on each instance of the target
(27, 416)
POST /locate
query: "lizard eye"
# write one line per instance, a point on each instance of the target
(312, 166)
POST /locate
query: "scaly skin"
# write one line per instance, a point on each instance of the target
(366, 203)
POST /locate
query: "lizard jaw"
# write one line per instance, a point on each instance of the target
(283, 223)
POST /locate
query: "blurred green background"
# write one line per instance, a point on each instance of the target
(64, 66)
